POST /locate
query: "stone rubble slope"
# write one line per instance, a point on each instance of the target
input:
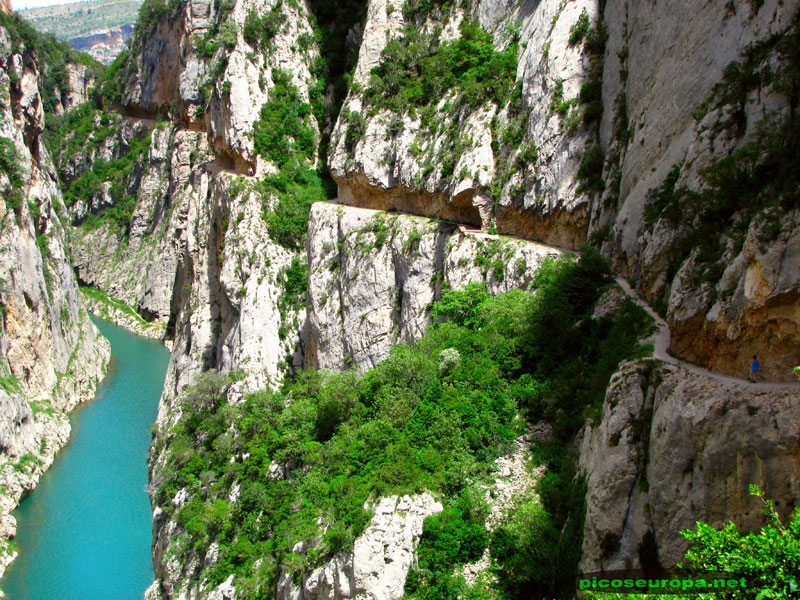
(514, 480)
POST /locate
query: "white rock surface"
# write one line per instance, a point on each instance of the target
(366, 295)
(377, 567)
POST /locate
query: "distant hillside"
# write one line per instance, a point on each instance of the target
(80, 18)
(99, 27)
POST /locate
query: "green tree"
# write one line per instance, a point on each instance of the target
(769, 559)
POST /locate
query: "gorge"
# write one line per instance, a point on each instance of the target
(357, 226)
(85, 531)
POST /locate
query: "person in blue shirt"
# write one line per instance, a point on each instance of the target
(754, 369)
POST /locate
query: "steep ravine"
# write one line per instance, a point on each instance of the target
(608, 133)
(51, 355)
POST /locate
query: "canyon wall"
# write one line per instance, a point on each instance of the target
(51, 355)
(616, 123)
(609, 115)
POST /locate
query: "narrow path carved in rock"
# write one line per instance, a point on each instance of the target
(660, 339)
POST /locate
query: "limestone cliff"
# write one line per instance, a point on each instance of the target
(672, 449)
(609, 103)
(51, 355)
(618, 122)
(507, 161)
(372, 276)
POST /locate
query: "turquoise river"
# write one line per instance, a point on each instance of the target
(85, 531)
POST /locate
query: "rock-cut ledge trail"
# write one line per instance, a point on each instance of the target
(660, 338)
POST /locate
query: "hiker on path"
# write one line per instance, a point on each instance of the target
(754, 369)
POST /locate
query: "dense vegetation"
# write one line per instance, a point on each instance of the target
(769, 559)
(417, 68)
(432, 417)
(284, 133)
(284, 136)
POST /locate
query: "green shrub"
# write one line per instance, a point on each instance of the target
(769, 559)
(590, 172)
(226, 35)
(523, 547)
(356, 129)
(295, 286)
(297, 188)
(281, 132)
(578, 31)
(416, 68)
(149, 13)
(260, 30)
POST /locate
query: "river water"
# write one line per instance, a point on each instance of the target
(84, 533)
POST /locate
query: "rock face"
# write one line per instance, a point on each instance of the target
(372, 276)
(197, 260)
(650, 76)
(390, 169)
(51, 355)
(673, 448)
(377, 567)
(79, 82)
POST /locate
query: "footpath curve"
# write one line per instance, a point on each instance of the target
(660, 339)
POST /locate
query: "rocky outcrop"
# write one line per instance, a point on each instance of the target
(51, 355)
(378, 564)
(398, 163)
(673, 448)
(78, 83)
(228, 281)
(372, 276)
(5, 6)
